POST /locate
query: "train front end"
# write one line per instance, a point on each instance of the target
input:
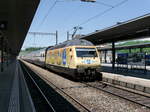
(87, 62)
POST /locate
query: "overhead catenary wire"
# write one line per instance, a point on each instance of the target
(97, 2)
(105, 11)
(56, 1)
(43, 33)
(48, 12)
(42, 22)
(40, 6)
(89, 19)
(102, 3)
(100, 14)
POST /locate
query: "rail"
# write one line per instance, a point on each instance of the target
(50, 84)
(42, 105)
(121, 92)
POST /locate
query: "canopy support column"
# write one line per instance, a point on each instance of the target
(141, 50)
(129, 50)
(113, 55)
(56, 37)
(2, 54)
(105, 56)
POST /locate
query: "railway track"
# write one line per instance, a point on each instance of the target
(121, 92)
(115, 90)
(47, 97)
(38, 97)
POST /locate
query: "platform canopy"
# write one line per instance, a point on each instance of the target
(15, 19)
(132, 29)
(109, 48)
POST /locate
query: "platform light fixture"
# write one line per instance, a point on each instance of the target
(88, 0)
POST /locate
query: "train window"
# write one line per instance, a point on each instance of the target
(86, 52)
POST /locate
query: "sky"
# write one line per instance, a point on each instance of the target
(63, 15)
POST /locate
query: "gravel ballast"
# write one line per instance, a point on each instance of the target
(95, 100)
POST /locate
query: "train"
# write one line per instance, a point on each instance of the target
(77, 58)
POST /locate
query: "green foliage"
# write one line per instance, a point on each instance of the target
(128, 43)
(30, 49)
(133, 43)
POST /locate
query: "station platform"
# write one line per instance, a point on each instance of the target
(14, 94)
(141, 73)
(133, 79)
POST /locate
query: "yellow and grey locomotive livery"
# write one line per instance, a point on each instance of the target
(77, 58)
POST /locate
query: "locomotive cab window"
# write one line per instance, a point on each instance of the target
(86, 52)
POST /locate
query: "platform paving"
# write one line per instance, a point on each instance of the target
(6, 80)
(134, 79)
(14, 94)
(127, 72)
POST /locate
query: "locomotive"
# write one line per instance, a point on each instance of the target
(77, 58)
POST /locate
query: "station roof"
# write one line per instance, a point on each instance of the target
(17, 16)
(145, 45)
(132, 29)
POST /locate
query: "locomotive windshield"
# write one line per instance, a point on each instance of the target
(86, 52)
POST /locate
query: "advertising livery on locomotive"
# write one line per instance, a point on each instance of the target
(78, 58)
